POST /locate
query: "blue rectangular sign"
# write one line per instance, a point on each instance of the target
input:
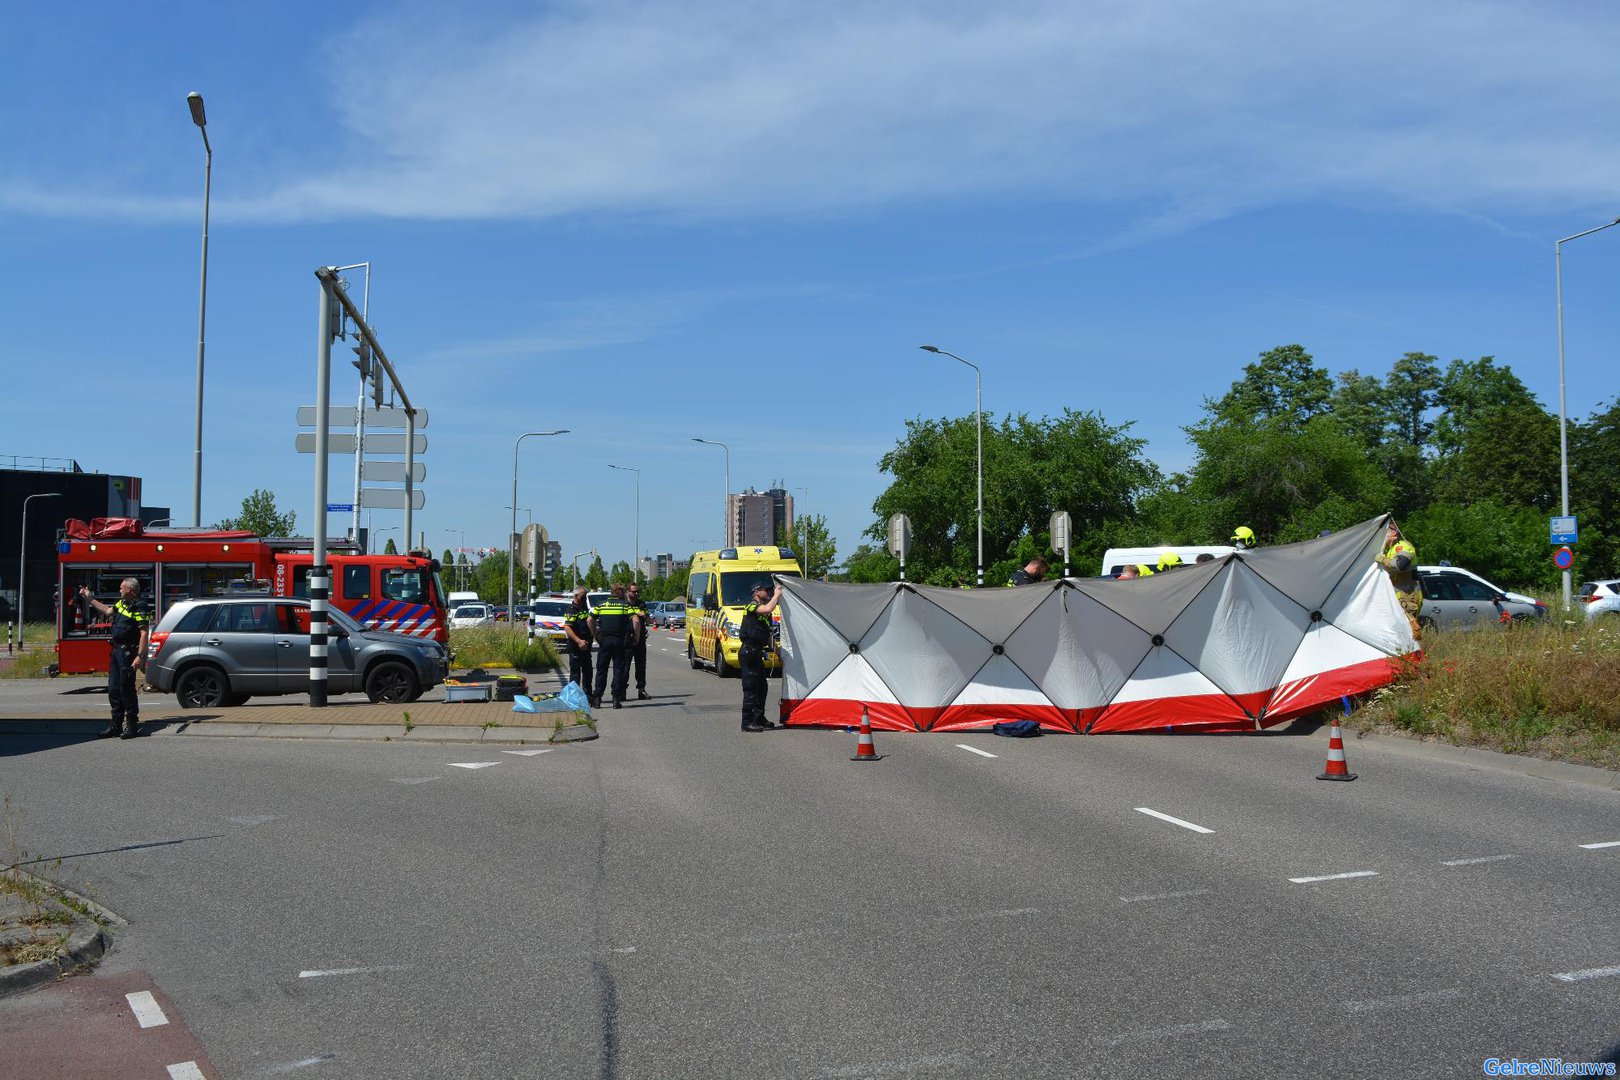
(340, 508)
(1564, 530)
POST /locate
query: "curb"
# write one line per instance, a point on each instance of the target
(86, 946)
(1475, 757)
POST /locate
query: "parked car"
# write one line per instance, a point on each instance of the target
(469, 615)
(670, 615)
(546, 615)
(219, 652)
(1600, 598)
(1458, 599)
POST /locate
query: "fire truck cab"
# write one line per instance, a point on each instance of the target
(401, 593)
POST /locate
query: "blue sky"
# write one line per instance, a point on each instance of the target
(647, 222)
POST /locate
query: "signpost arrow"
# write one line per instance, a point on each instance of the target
(375, 444)
(343, 416)
(390, 498)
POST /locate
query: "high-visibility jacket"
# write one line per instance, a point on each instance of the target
(128, 620)
(1400, 560)
(613, 620)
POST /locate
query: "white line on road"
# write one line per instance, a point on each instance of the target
(1173, 820)
(1475, 862)
(1165, 895)
(473, 764)
(1166, 1032)
(1589, 973)
(1606, 843)
(148, 1013)
(526, 753)
(294, 1066)
(1333, 877)
(417, 779)
(186, 1070)
(1400, 1000)
(351, 971)
(974, 750)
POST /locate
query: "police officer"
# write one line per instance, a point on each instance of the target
(615, 625)
(577, 626)
(131, 627)
(755, 637)
(638, 647)
(1033, 571)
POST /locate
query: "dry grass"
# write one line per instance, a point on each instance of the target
(1549, 689)
(500, 646)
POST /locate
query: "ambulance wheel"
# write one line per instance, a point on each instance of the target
(202, 687)
(390, 682)
(723, 669)
(692, 656)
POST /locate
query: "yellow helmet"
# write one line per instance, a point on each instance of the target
(1169, 560)
(1243, 537)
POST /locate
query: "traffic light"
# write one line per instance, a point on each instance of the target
(362, 358)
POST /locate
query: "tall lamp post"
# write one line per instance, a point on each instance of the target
(1563, 424)
(22, 558)
(372, 535)
(725, 511)
(198, 117)
(513, 545)
(978, 412)
(511, 563)
(635, 564)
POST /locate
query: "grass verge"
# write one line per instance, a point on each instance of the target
(1545, 689)
(500, 646)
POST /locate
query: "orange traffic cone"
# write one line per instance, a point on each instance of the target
(1336, 767)
(864, 750)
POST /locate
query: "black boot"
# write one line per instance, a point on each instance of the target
(132, 730)
(112, 731)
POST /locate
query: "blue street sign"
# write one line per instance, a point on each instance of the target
(340, 508)
(1563, 558)
(1563, 530)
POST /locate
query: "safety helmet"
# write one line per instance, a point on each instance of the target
(1169, 560)
(1243, 536)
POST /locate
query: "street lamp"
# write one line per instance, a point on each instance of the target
(725, 513)
(635, 564)
(575, 560)
(978, 412)
(461, 555)
(372, 534)
(1563, 424)
(198, 117)
(513, 547)
(511, 568)
(22, 558)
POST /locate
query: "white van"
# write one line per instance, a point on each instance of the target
(1117, 559)
(456, 599)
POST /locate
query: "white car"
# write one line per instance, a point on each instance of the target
(1600, 598)
(470, 615)
(546, 615)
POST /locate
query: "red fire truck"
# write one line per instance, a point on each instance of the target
(401, 593)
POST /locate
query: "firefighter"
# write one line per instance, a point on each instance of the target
(1243, 537)
(577, 626)
(131, 629)
(615, 625)
(638, 645)
(1399, 560)
(756, 637)
(1168, 561)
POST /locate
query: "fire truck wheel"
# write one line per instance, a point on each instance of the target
(390, 682)
(202, 687)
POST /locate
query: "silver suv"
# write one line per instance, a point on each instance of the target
(218, 652)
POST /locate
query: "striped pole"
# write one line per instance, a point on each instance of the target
(317, 573)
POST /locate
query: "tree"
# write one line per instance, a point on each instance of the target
(813, 541)
(1505, 543)
(260, 516)
(596, 577)
(389, 548)
(620, 574)
(1411, 391)
(1283, 385)
(869, 565)
(1594, 488)
(1494, 439)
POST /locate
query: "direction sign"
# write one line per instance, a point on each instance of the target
(343, 416)
(340, 508)
(391, 472)
(344, 444)
(1563, 558)
(390, 498)
(899, 536)
(1061, 528)
(1564, 530)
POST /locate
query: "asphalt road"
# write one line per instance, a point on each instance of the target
(679, 899)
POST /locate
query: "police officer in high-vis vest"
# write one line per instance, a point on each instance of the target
(131, 627)
(755, 641)
(577, 626)
(615, 625)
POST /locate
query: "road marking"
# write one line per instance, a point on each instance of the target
(1589, 973)
(1165, 1032)
(1173, 820)
(293, 1066)
(1606, 843)
(254, 819)
(148, 1013)
(974, 750)
(186, 1070)
(1333, 877)
(1165, 895)
(416, 779)
(351, 971)
(1400, 1000)
(1475, 862)
(473, 764)
(526, 753)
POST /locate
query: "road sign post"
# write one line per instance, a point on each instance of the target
(1564, 530)
(1062, 529)
(1563, 558)
(900, 539)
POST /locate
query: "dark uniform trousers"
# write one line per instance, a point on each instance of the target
(614, 650)
(638, 653)
(122, 693)
(752, 660)
(579, 665)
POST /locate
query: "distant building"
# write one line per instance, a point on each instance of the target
(755, 518)
(661, 566)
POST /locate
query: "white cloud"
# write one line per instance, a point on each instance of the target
(714, 109)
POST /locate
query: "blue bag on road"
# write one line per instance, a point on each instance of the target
(575, 698)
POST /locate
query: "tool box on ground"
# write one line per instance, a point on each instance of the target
(508, 686)
(455, 690)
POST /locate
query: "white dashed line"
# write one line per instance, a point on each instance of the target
(1589, 973)
(1165, 895)
(416, 779)
(1333, 877)
(472, 764)
(148, 1013)
(1606, 843)
(526, 753)
(351, 971)
(1167, 1032)
(974, 750)
(186, 1070)
(1475, 862)
(1173, 820)
(1400, 1000)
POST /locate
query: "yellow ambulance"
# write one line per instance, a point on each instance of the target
(721, 585)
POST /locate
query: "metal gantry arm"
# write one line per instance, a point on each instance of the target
(511, 556)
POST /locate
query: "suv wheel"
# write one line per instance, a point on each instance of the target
(390, 682)
(202, 687)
